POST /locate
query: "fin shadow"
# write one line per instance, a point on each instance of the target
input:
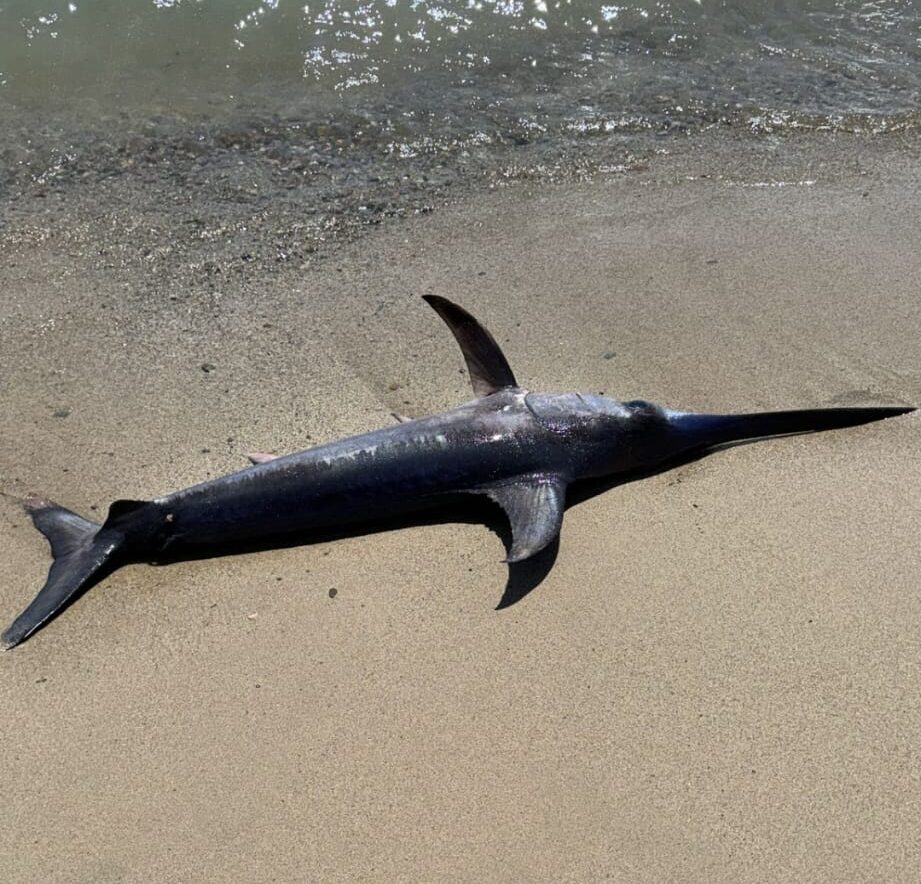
(528, 575)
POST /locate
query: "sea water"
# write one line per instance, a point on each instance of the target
(382, 97)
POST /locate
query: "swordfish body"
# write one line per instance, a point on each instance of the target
(401, 468)
(519, 448)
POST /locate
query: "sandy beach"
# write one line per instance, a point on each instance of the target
(717, 681)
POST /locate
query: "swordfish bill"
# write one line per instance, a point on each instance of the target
(521, 449)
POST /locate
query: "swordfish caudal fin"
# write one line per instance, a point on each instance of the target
(489, 369)
(719, 429)
(80, 548)
(534, 506)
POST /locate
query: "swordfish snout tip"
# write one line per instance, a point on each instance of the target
(7, 642)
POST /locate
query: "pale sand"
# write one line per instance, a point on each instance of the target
(719, 679)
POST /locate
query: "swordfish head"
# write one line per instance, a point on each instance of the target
(606, 436)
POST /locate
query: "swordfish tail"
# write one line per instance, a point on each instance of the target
(80, 548)
(719, 429)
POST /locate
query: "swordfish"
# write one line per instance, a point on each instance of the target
(519, 448)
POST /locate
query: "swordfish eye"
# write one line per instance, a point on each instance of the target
(641, 410)
(640, 407)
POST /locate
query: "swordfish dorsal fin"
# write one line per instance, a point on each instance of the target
(489, 369)
(534, 506)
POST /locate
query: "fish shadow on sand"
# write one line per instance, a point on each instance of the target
(464, 509)
(529, 574)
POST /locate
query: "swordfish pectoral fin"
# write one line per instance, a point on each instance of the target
(534, 506)
(489, 369)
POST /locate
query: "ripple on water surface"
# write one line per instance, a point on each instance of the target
(353, 92)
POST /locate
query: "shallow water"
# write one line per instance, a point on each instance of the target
(824, 57)
(368, 103)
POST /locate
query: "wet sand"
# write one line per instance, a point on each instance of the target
(717, 681)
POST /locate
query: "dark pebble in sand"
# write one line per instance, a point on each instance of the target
(333, 592)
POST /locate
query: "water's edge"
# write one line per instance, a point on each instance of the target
(219, 135)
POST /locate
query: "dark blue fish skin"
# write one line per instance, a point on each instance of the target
(400, 468)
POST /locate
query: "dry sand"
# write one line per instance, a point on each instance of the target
(719, 679)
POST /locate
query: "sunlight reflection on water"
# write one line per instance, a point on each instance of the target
(819, 56)
(407, 96)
